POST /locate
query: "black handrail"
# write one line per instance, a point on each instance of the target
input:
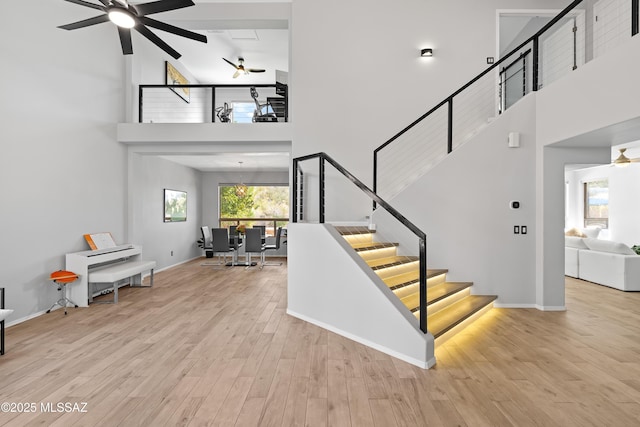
(515, 61)
(449, 99)
(422, 237)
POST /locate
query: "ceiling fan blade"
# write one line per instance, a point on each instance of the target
(125, 40)
(87, 4)
(161, 6)
(255, 70)
(85, 23)
(172, 29)
(236, 74)
(157, 41)
(231, 63)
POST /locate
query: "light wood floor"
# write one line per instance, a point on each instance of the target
(215, 347)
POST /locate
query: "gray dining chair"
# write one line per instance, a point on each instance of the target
(274, 247)
(206, 243)
(254, 245)
(220, 245)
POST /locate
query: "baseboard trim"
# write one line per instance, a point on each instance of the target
(506, 305)
(419, 363)
(29, 317)
(174, 265)
(551, 307)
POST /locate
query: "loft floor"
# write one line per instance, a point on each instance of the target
(207, 346)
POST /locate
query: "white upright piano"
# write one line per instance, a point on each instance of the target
(82, 262)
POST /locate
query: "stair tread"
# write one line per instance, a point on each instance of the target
(405, 279)
(446, 319)
(347, 230)
(380, 263)
(435, 294)
(371, 246)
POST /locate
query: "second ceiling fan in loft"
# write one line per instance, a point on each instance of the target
(241, 69)
(129, 16)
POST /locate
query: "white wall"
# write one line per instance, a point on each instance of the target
(357, 85)
(578, 118)
(600, 95)
(159, 239)
(62, 169)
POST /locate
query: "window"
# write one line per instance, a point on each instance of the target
(596, 203)
(252, 205)
(242, 112)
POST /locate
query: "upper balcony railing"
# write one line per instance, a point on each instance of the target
(583, 31)
(199, 103)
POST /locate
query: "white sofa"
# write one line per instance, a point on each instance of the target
(603, 262)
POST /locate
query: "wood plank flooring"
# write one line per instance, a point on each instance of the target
(215, 347)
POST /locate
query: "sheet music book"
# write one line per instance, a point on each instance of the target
(100, 241)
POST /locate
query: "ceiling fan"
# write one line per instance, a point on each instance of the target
(240, 69)
(127, 16)
(623, 160)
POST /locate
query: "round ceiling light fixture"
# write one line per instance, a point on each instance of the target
(121, 17)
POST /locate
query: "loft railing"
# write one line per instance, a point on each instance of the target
(201, 103)
(513, 81)
(301, 194)
(581, 32)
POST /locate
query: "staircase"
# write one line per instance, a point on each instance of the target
(450, 305)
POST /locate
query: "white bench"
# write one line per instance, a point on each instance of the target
(114, 273)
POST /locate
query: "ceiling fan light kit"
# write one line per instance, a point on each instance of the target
(128, 16)
(121, 18)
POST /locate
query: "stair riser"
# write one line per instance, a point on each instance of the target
(436, 306)
(397, 269)
(359, 238)
(458, 328)
(407, 290)
(377, 253)
(446, 302)
(436, 280)
(431, 282)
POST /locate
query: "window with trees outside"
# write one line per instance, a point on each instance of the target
(596, 203)
(254, 205)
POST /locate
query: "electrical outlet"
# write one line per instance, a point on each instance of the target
(523, 229)
(516, 229)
